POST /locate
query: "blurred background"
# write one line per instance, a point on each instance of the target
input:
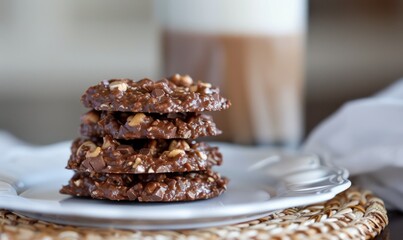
(51, 51)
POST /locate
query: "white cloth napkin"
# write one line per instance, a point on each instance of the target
(366, 137)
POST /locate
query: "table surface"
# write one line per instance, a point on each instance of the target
(395, 228)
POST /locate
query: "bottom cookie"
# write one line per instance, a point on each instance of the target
(169, 187)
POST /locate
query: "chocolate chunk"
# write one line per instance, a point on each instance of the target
(153, 126)
(163, 96)
(147, 187)
(97, 163)
(157, 93)
(142, 156)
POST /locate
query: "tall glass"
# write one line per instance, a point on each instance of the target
(253, 50)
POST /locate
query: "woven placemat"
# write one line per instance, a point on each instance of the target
(353, 214)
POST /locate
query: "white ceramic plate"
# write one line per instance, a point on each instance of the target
(261, 181)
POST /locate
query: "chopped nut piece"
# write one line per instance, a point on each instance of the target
(210, 179)
(206, 85)
(176, 152)
(136, 162)
(94, 153)
(119, 84)
(181, 144)
(151, 170)
(175, 78)
(87, 144)
(136, 119)
(173, 145)
(185, 145)
(106, 143)
(90, 117)
(202, 155)
(184, 80)
(78, 182)
(193, 88)
(153, 147)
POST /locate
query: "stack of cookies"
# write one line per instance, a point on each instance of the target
(138, 142)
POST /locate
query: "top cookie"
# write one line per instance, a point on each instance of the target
(176, 94)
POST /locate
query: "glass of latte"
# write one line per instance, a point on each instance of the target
(253, 50)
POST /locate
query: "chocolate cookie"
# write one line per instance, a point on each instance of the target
(147, 187)
(176, 94)
(108, 155)
(123, 125)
